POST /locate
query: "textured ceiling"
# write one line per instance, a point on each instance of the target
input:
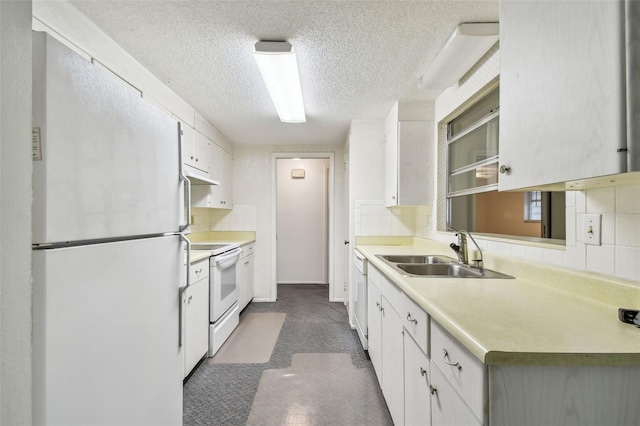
(355, 57)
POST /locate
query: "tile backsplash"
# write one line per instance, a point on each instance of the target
(373, 218)
(618, 254)
(241, 218)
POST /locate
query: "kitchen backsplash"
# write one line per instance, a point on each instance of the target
(373, 218)
(241, 218)
(619, 252)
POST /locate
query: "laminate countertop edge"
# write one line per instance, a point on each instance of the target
(520, 321)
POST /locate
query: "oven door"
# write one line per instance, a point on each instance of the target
(224, 283)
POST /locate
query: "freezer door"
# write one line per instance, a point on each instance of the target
(106, 320)
(106, 164)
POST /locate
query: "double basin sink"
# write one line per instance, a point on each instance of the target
(436, 266)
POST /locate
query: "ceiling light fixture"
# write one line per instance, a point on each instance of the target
(277, 63)
(468, 43)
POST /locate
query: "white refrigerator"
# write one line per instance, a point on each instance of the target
(108, 267)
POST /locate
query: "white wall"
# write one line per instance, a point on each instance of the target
(252, 189)
(302, 221)
(15, 213)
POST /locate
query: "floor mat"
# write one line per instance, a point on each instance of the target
(252, 342)
(319, 389)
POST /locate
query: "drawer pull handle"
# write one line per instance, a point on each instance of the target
(414, 321)
(433, 390)
(446, 360)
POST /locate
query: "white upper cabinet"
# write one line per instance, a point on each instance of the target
(222, 194)
(409, 155)
(221, 170)
(195, 149)
(569, 104)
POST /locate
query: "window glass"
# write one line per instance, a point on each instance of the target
(477, 178)
(477, 145)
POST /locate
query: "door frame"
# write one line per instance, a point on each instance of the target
(274, 215)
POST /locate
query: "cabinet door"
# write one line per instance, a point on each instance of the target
(245, 279)
(391, 166)
(392, 362)
(201, 152)
(215, 161)
(374, 320)
(562, 94)
(447, 408)
(222, 171)
(188, 156)
(414, 163)
(227, 180)
(196, 339)
(417, 399)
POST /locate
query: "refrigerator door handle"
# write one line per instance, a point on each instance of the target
(181, 289)
(184, 179)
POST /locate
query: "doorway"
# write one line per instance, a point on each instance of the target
(302, 219)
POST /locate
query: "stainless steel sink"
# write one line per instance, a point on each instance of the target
(447, 270)
(420, 259)
(435, 266)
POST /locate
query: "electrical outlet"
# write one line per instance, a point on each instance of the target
(591, 229)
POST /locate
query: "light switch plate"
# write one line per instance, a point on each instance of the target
(591, 229)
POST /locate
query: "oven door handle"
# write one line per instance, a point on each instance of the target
(235, 253)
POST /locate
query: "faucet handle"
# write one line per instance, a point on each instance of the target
(479, 264)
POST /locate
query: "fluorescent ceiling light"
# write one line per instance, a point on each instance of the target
(468, 43)
(277, 63)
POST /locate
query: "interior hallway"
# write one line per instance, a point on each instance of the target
(330, 380)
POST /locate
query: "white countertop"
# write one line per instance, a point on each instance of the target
(545, 316)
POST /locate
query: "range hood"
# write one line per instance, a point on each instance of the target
(198, 179)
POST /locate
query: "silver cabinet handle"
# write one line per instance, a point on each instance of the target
(445, 356)
(414, 321)
(505, 169)
(433, 390)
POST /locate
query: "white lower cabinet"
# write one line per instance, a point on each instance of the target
(195, 304)
(385, 342)
(417, 382)
(466, 374)
(374, 322)
(447, 407)
(428, 377)
(245, 276)
(392, 361)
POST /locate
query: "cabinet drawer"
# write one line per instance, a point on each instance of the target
(198, 270)
(416, 322)
(247, 250)
(447, 408)
(461, 368)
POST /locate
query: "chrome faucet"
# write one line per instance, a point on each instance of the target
(461, 249)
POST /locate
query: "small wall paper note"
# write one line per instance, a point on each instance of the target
(36, 146)
(297, 173)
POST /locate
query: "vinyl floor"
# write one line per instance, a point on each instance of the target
(318, 373)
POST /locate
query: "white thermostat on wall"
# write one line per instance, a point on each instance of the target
(297, 173)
